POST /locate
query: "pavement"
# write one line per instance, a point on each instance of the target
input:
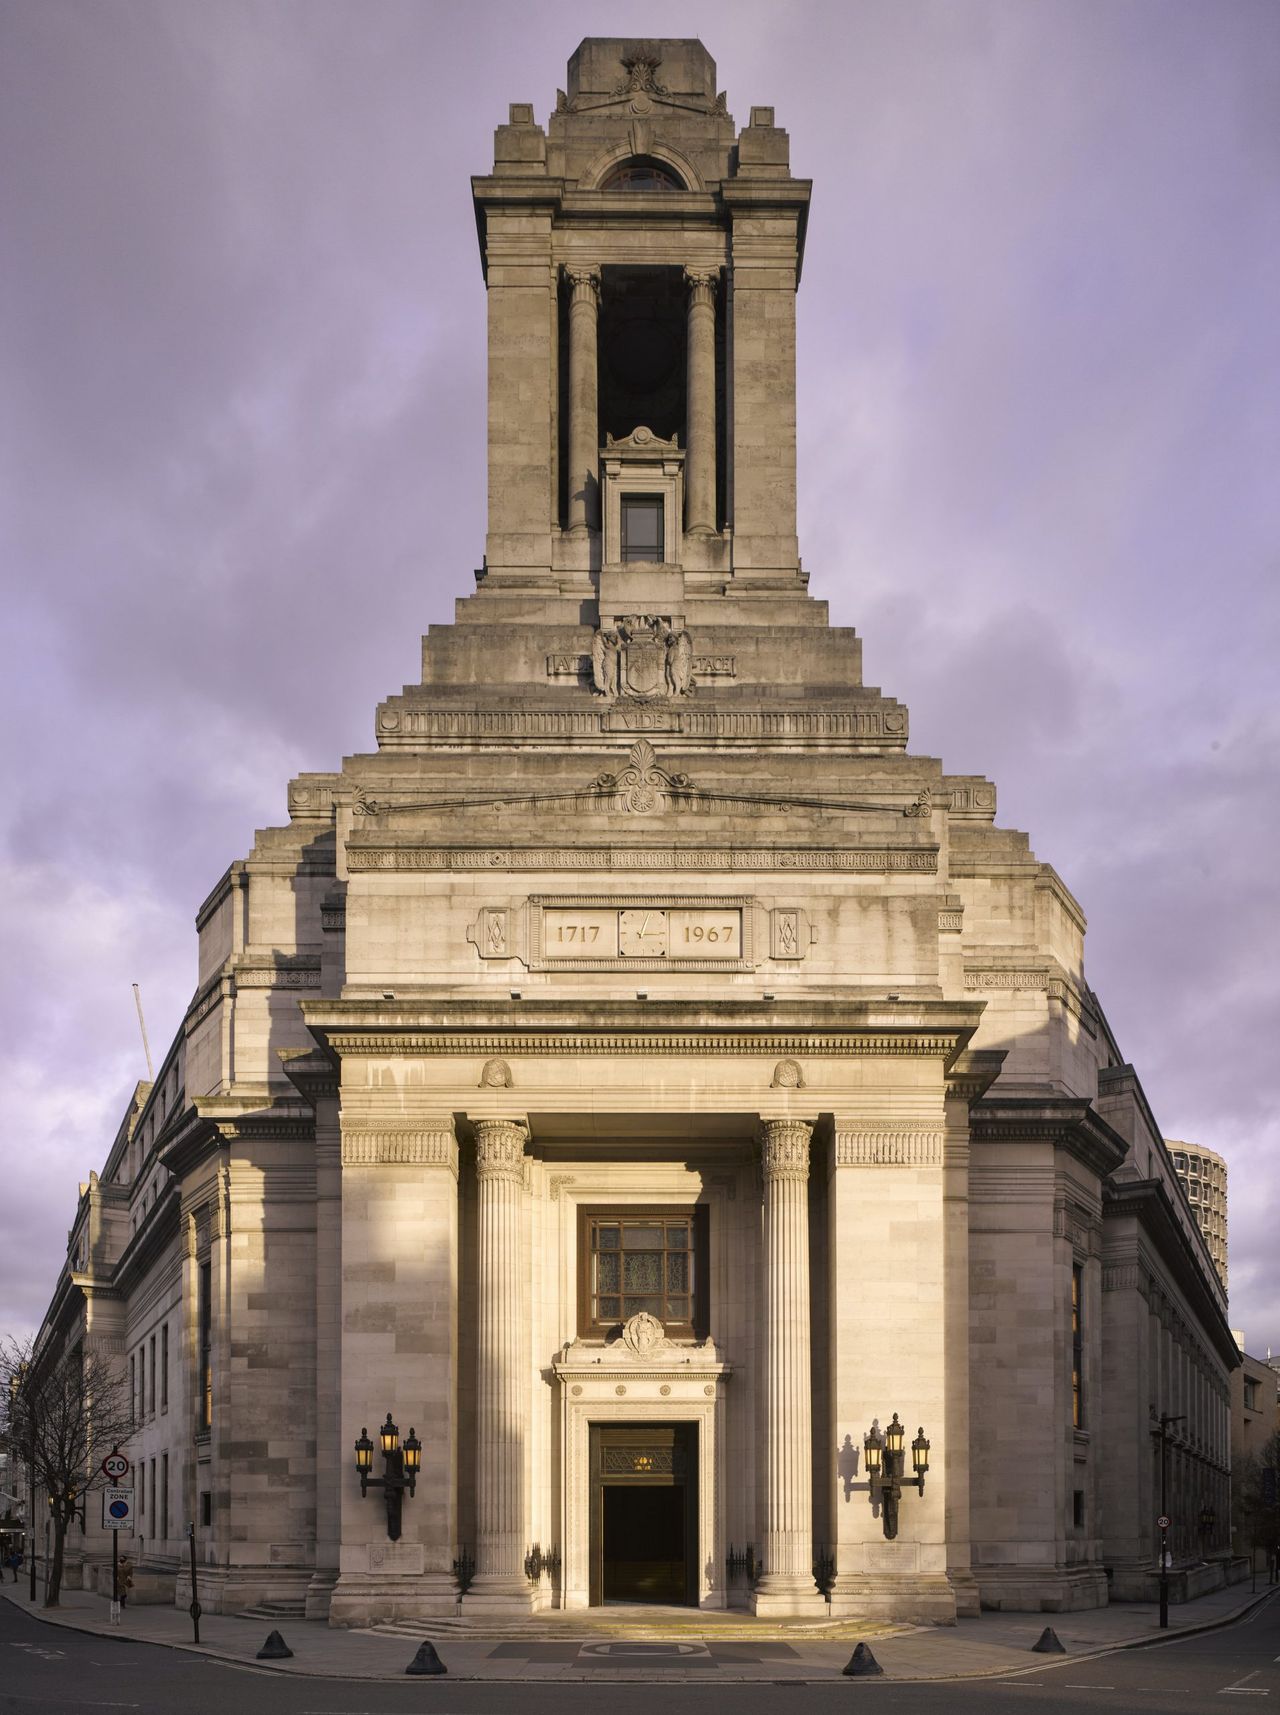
(678, 1645)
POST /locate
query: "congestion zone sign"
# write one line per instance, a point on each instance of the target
(117, 1509)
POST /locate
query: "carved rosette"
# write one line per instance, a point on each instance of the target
(500, 1149)
(784, 1149)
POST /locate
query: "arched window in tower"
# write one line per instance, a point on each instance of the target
(641, 173)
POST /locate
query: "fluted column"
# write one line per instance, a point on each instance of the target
(700, 455)
(500, 1372)
(584, 427)
(786, 1584)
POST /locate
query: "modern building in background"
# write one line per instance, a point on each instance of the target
(641, 1079)
(1203, 1176)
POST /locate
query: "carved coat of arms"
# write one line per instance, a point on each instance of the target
(641, 656)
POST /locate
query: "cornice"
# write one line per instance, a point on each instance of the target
(973, 1072)
(604, 1027)
(1067, 1122)
(1147, 1202)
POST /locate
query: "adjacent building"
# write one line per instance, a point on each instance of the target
(642, 1077)
(1203, 1176)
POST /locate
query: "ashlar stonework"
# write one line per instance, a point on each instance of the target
(640, 1072)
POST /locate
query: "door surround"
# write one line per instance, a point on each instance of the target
(613, 1384)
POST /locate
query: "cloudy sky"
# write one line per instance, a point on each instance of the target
(242, 471)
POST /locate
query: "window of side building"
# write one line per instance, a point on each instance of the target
(204, 1403)
(1077, 1346)
(634, 1260)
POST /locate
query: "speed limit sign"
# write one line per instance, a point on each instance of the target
(115, 1466)
(1162, 1523)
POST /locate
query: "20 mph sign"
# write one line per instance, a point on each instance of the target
(117, 1509)
(115, 1466)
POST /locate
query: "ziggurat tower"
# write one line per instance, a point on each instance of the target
(641, 1072)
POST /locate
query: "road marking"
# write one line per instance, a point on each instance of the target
(1082, 1685)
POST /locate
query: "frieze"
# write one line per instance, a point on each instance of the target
(995, 979)
(410, 726)
(860, 861)
(899, 1145)
(395, 1147)
(296, 971)
(724, 1044)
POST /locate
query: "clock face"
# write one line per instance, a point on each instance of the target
(642, 934)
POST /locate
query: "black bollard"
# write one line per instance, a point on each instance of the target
(861, 1663)
(275, 1649)
(1048, 1643)
(426, 1661)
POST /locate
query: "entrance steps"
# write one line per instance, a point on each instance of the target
(638, 1623)
(291, 1610)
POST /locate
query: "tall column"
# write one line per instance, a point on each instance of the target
(700, 457)
(786, 1584)
(584, 427)
(501, 1379)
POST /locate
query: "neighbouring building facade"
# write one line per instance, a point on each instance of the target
(640, 1073)
(1202, 1174)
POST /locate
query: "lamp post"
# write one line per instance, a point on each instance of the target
(400, 1469)
(884, 1457)
(1166, 1418)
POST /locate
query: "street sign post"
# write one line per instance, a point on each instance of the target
(117, 1515)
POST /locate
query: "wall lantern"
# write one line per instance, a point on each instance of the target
(400, 1469)
(884, 1457)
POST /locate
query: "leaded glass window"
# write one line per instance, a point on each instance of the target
(645, 1260)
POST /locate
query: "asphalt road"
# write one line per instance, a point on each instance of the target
(48, 1670)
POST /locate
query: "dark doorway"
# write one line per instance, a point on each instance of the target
(644, 1513)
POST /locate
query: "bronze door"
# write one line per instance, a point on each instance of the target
(644, 1513)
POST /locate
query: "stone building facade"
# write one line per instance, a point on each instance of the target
(641, 1073)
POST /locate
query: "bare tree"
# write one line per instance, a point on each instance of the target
(66, 1410)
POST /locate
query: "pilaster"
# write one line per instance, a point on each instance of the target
(399, 1351)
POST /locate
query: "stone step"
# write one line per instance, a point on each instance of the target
(285, 1610)
(561, 1627)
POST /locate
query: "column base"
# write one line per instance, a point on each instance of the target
(499, 1595)
(924, 1598)
(780, 1594)
(362, 1599)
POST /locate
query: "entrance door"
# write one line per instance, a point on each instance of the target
(644, 1513)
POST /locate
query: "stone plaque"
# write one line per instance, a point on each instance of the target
(642, 932)
(579, 932)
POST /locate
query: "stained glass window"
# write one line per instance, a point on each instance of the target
(642, 1262)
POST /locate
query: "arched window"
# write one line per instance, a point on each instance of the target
(641, 173)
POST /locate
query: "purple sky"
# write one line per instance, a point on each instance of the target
(243, 469)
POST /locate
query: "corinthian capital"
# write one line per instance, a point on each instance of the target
(784, 1149)
(500, 1148)
(585, 283)
(702, 283)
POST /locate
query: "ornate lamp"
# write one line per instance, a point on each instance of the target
(884, 1457)
(400, 1469)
